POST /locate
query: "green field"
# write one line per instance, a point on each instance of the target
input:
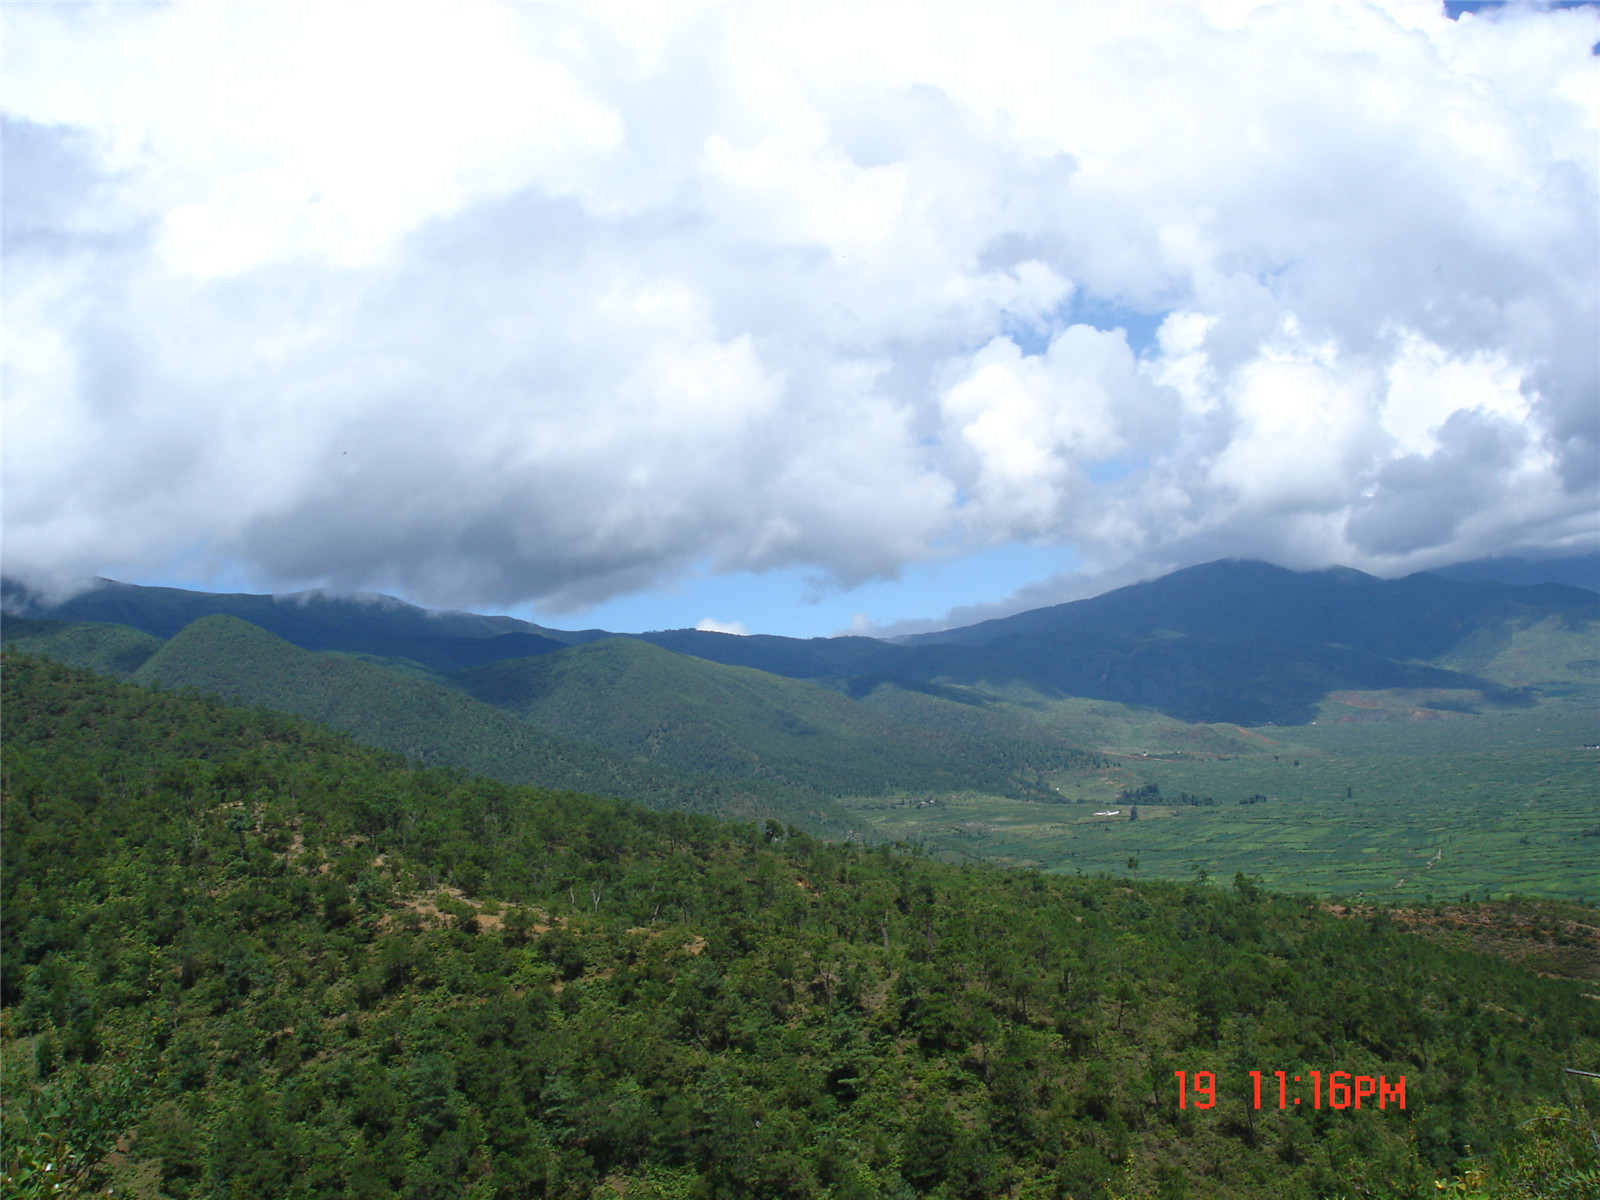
(1383, 797)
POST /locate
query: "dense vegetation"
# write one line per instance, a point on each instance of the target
(1412, 795)
(245, 957)
(617, 716)
(702, 717)
(421, 719)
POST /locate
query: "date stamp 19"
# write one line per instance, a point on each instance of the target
(1343, 1090)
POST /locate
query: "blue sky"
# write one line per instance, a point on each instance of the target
(796, 317)
(785, 602)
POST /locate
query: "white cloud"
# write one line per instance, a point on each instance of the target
(1303, 428)
(308, 128)
(1427, 385)
(1024, 428)
(492, 303)
(710, 625)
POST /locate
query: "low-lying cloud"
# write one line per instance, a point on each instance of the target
(499, 304)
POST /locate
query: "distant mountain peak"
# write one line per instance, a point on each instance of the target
(1578, 570)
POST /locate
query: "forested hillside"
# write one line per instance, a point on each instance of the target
(244, 957)
(733, 722)
(425, 721)
(617, 716)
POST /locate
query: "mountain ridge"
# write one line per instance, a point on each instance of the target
(1232, 641)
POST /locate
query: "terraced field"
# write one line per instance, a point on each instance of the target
(1384, 797)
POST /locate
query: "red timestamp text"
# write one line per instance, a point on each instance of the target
(1337, 1089)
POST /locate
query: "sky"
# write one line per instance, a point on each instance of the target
(791, 318)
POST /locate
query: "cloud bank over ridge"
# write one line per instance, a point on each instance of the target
(490, 305)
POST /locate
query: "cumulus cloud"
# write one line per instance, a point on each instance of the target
(490, 304)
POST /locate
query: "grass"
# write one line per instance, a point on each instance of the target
(1384, 798)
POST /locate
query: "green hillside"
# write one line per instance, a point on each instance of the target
(1552, 656)
(706, 718)
(245, 957)
(435, 725)
(1022, 714)
(110, 649)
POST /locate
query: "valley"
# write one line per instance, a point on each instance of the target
(244, 956)
(1404, 811)
(1408, 740)
(333, 896)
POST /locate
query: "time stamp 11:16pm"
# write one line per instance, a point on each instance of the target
(1340, 1089)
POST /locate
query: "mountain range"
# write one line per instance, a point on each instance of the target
(753, 725)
